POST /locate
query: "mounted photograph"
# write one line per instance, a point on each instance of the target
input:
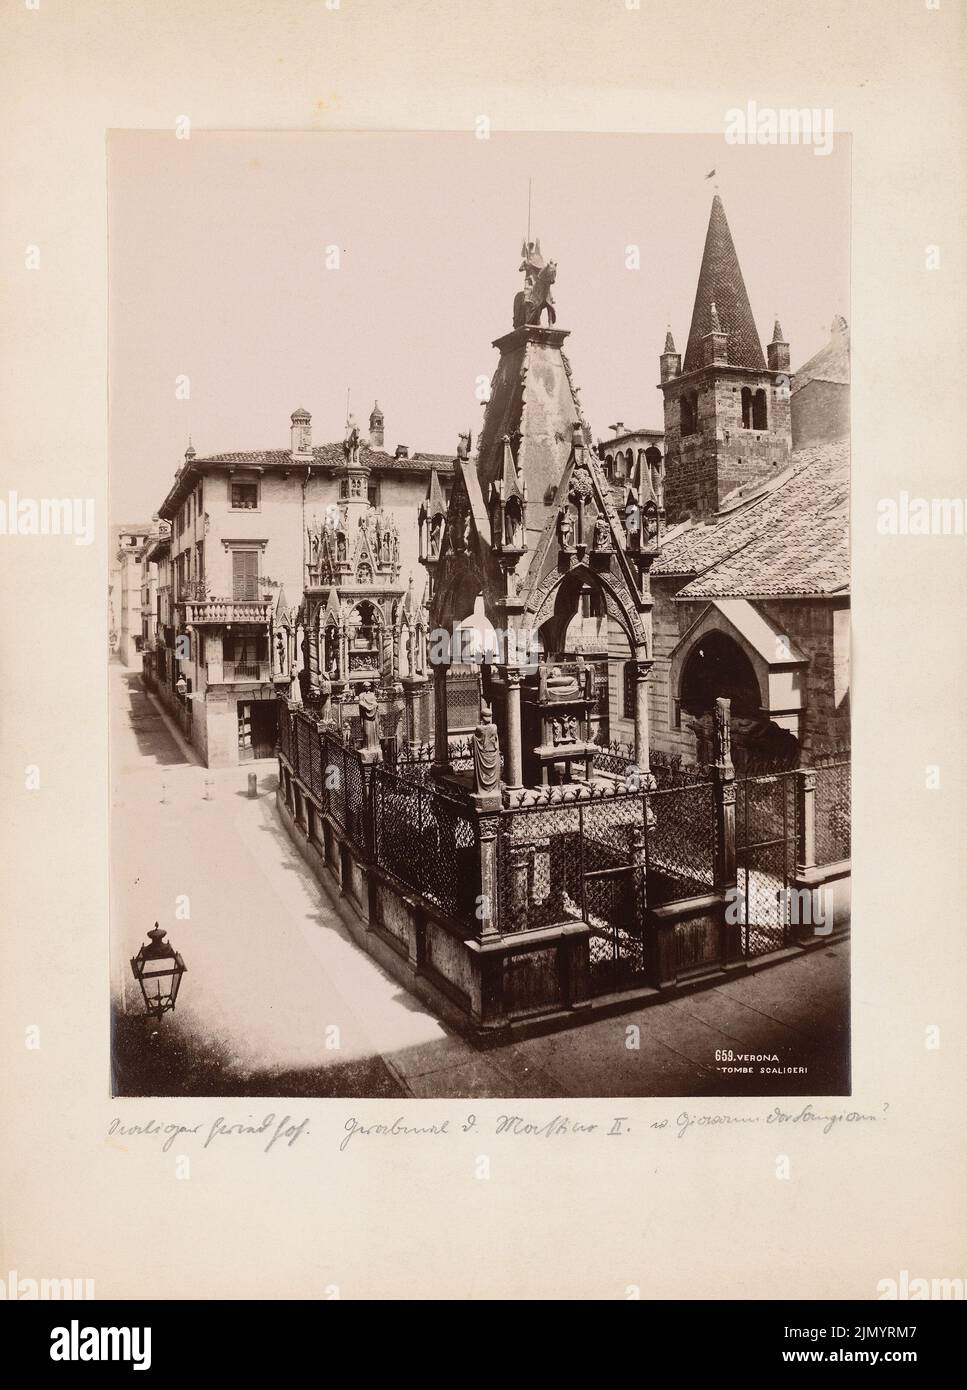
(479, 615)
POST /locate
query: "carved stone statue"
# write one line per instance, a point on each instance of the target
(585, 678)
(565, 529)
(368, 710)
(722, 732)
(602, 535)
(436, 537)
(324, 691)
(280, 645)
(351, 443)
(512, 530)
(560, 686)
(536, 295)
(486, 753)
(650, 524)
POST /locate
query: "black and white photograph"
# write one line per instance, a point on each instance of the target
(483, 769)
(489, 721)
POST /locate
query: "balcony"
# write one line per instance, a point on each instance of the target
(236, 672)
(214, 611)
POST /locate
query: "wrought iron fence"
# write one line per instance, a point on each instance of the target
(680, 843)
(833, 785)
(617, 758)
(596, 855)
(331, 771)
(661, 843)
(427, 841)
(415, 761)
(766, 841)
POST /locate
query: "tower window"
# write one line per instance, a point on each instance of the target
(754, 416)
(759, 416)
(688, 406)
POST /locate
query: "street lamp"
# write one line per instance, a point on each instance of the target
(158, 969)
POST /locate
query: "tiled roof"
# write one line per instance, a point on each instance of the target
(830, 363)
(332, 456)
(791, 538)
(720, 282)
(323, 456)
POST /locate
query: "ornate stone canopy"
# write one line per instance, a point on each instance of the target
(531, 527)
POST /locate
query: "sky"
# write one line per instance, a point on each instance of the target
(218, 250)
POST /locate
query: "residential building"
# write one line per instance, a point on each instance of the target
(127, 546)
(242, 526)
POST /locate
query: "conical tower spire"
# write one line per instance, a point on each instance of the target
(720, 282)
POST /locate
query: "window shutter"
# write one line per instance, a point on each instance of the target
(245, 575)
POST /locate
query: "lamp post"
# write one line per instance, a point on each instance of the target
(158, 969)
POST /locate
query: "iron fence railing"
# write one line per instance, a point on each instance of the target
(428, 842)
(549, 854)
(767, 840)
(600, 855)
(669, 770)
(833, 786)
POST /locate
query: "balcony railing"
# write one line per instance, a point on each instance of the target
(231, 672)
(226, 610)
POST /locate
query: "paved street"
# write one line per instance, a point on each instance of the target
(278, 1000)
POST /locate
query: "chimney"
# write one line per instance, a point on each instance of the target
(402, 451)
(301, 451)
(376, 427)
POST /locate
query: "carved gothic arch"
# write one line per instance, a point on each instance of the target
(778, 665)
(617, 601)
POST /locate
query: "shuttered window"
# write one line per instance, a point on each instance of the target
(245, 575)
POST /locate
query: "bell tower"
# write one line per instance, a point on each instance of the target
(727, 411)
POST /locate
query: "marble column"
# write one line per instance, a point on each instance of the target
(514, 764)
(441, 732)
(642, 738)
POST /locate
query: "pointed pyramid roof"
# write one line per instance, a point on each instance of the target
(435, 503)
(720, 282)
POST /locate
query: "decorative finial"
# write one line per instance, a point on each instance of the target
(669, 340)
(777, 332)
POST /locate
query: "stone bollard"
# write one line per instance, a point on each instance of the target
(209, 793)
(253, 785)
(164, 793)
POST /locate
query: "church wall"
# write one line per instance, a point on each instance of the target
(670, 622)
(820, 413)
(821, 631)
(819, 628)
